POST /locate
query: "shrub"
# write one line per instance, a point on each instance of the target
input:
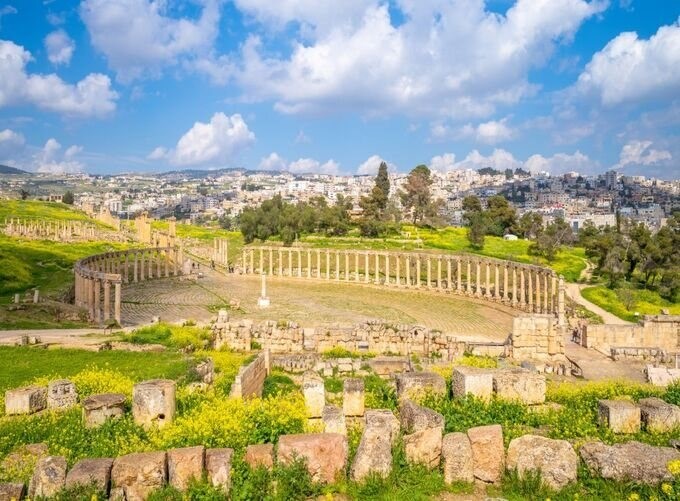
(333, 384)
(173, 336)
(379, 393)
(278, 383)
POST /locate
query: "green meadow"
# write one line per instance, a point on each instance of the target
(645, 302)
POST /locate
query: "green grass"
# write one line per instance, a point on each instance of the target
(44, 315)
(646, 302)
(172, 336)
(34, 209)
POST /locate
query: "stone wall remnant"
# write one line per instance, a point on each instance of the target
(314, 393)
(353, 396)
(26, 400)
(135, 476)
(325, 453)
(620, 416)
(153, 402)
(98, 408)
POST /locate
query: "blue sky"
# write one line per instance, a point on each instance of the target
(109, 86)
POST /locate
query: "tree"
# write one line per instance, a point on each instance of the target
(416, 196)
(549, 242)
(476, 229)
(68, 198)
(382, 182)
(374, 205)
(472, 203)
(501, 215)
(24, 194)
(530, 225)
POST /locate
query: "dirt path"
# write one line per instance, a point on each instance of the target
(574, 293)
(596, 366)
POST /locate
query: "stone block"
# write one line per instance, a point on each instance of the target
(415, 384)
(520, 385)
(556, 460)
(415, 417)
(374, 454)
(472, 381)
(153, 402)
(353, 396)
(325, 453)
(488, 453)
(620, 416)
(135, 476)
(423, 438)
(315, 394)
(457, 458)
(48, 477)
(12, 491)
(26, 400)
(333, 420)
(98, 408)
(185, 464)
(260, 455)
(91, 472)
(61, 394)
(662, 376)
(206, 371)
(659, 416)
(384, 366)
(383, 419)
(218, 467)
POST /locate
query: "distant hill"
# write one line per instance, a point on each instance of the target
(6, 169)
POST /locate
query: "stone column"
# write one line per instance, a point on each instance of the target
(418, 265)
(261, 267)
(377, 268)
(546, 293)
(280, 261)
(514, 284)
(487, 292)
(149, 263)
(90, 298)
(496, 283)
(290, 263)
(142, 276)
(560, 302)
(553, 293)
(346, 266)
(318, 264)
(478, 279)
(439, 272)
(398, 257)
(166, 260)
(530, 291)
(468, 277)
(107, 300)
(387, 269)
(429, 272)
(522, 298)
(309, 264)
(408, 271)
(505, 282)
(159, 258)
(449, 284)
(299, 263)
(459, 277)
(126, 268)
(244, 262)
(97, 300)
(356, 266)
(367, 273)
(328, 265)
(337, 266)
(116, 303)
(252, 261)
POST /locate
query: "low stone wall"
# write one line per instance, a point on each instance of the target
(653, 331)
(537, 337)
(250, 379)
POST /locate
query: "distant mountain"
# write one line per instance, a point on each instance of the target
(6, 169)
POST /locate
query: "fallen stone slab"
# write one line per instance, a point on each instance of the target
(95, 472)
(260, 455)
(472, 381)
(98, 408)
(26, 400)
(325, 453)
(488, 453)
(632, 461)
(153, 402)
(416, 384)
(620, 416)
(333, 420)
(185, 464)
(48, 477)
(556, 460)
(519, 385)
(12, 491)
(457, 458)
(423, 429)
(659, 416)
(384, 419)
(135, 476)
(374, 455)
(218, 467)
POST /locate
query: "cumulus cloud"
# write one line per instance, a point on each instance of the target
(59, 47)
(370, 166)
(491, 132)
(630, 68)
(641, 153)
(139, 39)
(559, 163)
(50, 159)
(216, 142)
(499, 159)
(312, 166)
(92, 96)
(443, 163)
(447, 58)
(10, 143)
(273, 162)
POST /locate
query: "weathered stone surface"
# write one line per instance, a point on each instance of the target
(662, 376)
(415, 417)
(472, 381)
(488, 454)
(413, 384)
(48, 478)
(555, 459)
(424, 428)
(374, 455)
(61, 394)
(384, 419)
(12, 491)
(334, 420)
(315, 394)
(260, 455)
(384, 366)
(184, 464)
(659, 416)
(153, 402)
(98, 408)
(353, 397)
(26, 400)
(325, 453)
(620, 416)
(457, 458)
(91, 472)
(519, 384)
(218, 467)
(24, 456)
(629, 461)
(206, 371)
(135, 476)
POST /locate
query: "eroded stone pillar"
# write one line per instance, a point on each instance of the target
(496, 282)
(478, 279)
(346, 266)
(107, 300)
(337, 265)
(487, 292)
(367, 274)
(530, 291)
(116, 303)
(522, 289)
(408, 271)
(377, 268)
(418, 266)
(356, 266)
(328, 265)
(398, 257)
(505, 282)
(468, 277)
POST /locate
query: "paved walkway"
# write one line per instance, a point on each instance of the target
(69, 338)
(596, 366)
(574, 293)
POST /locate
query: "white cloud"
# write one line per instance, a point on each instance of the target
(10, 143)
(641, 153)
(51, 160)
(273, 162)
(59, 47)
(302, 138)
(92, 96)
(500, 159)
(443, 163)
(216, 142)
(559, 163)
(447, 59)
(492, 132)
(370, 166)
(139, 39)
(312, 166)
(629, 68)
(7, 9)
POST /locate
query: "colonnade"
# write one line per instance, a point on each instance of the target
(99, 277)
(526, 287)
(220, 254)
(51, 230)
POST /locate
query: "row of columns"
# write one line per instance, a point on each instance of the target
(56, 230)
(528, 287)
(220, 253)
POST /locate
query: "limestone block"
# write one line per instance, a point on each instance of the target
(315, 394)
(91, 472)
(61, 394)
(48, 477)
(153, 402)
(415, 417)
(325, 453)
(374, 455)
(135, 476)
(414, 384)
(659, 416)
(12, 491)
(457, 458)
(472, 381)
(519, 384)
(555, 459)
(385, 420)
(333, 420)
(353, 397)
(424, 428)
(620, 416)
(206, 371)
(218, 467)
(185, 464)
(384, 366)
(662, 376)
(98, 408)
(260, 455)
(26, 400)
(488, 453)
(629, 461)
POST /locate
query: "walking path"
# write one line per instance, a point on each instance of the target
(574, 293)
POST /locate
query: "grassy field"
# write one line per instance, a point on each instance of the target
(34, 209)
(646, 302)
